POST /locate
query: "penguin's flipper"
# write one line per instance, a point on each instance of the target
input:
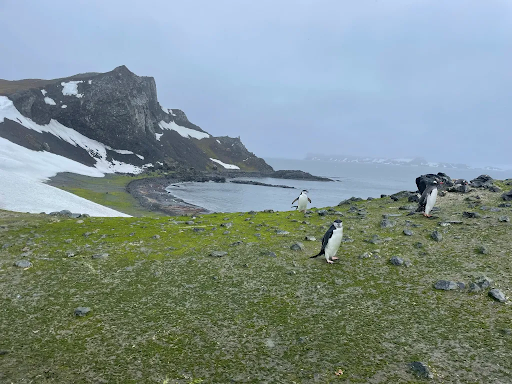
(295, 200)
(309, 199)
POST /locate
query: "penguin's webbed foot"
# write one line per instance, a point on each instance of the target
(334, 258)
(330, 261)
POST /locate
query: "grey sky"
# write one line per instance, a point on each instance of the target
(391, 78)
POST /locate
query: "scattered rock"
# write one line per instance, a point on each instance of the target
(437, 236)
(446, 285)
(505, 205)
(413, 198)
(484, 282)
(23, 264)
(236, 243)
(82, 311)
(218, 253)
(350, 201)
(366, 255)
(282, 233)
(269, 254)
(418, 245)
(190, 222)
(100, 256)
(156, 237)
(3, 352)
(471, 215)
(225, 233)
(401, 195)
(473, 287)
(198, 229)
(408, 232)
(322, 212)
(503, 219)
(482, 181)
(482, 249)
(310, 238)
(227, 225)
(421, 370)
(395, 260)
(386, 223)
(507, 196)
(461, 285)
(496, 294)
(297, 247)
(494, 188)
(374, 240)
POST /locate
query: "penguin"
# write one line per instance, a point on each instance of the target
(331, 241)
(303, 200)
(428, 199)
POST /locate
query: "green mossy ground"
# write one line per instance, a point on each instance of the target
(163, 310)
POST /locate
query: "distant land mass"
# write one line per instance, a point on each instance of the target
(407, 162)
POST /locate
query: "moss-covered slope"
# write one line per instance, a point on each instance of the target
(164, 310)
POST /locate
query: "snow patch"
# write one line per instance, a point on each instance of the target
(185, 132)
(49, 101)
(89, 82)
(43, 92)
(64, 106)
(158, 136)
(227, 166)
(171, 112)
(165, 110)
(71, 88)
(140, 156)
(218, 141)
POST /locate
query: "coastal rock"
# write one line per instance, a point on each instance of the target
(482, 181)
(401, 195)
(386, 223)
(350, 201)
(484, 282)
(503, 219)
(408, 232)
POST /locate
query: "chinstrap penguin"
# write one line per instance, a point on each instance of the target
(303, 201)
(428, 199)
(331, 241)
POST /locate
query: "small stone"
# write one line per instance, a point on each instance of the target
(197, 229)
(421, 370)
(408, 207)
(386, 223)
(236, 243)
(506, 331)
(446, 285)
(496, 294)
(23, 264)
(407, 264)
(471, 215)
(395, 260)
(366, 255)
(282, 233)
(310, 238)
(482, 249)
(225, 233)
(3, 352)
(484, 282)
(218, 253)
(70, 254)
(68, 241)
(322, 212)
(291, 273)
(100, 256)
(408, 232)
(87, 234)
(82, 311)
(505, 205)
(461, 285)
(270, 254)
(503, 219)
(437, 236)
(190, 222)
(297, 247)
(227, 225)
(473, 287)
(156, 237)
(418, 245)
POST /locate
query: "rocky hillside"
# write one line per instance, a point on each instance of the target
(113, 118)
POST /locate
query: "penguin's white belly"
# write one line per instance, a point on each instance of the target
(334, 243)
(431, 200)
(303, 202)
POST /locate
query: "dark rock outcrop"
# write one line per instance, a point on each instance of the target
(507, 196)
(482, 181)
(424, 180)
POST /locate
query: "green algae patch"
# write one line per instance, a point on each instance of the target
(164, 310)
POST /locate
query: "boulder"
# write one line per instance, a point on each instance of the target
(482, 181)
(507, 196)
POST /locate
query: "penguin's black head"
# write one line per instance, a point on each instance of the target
(304, 191)
(338, 223)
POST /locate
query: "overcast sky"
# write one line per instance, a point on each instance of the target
(394, 78)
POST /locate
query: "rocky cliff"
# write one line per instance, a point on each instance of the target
(120, 111)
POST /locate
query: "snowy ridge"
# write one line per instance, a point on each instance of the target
(184, 132)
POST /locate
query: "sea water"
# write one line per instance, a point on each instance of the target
(350, 179)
